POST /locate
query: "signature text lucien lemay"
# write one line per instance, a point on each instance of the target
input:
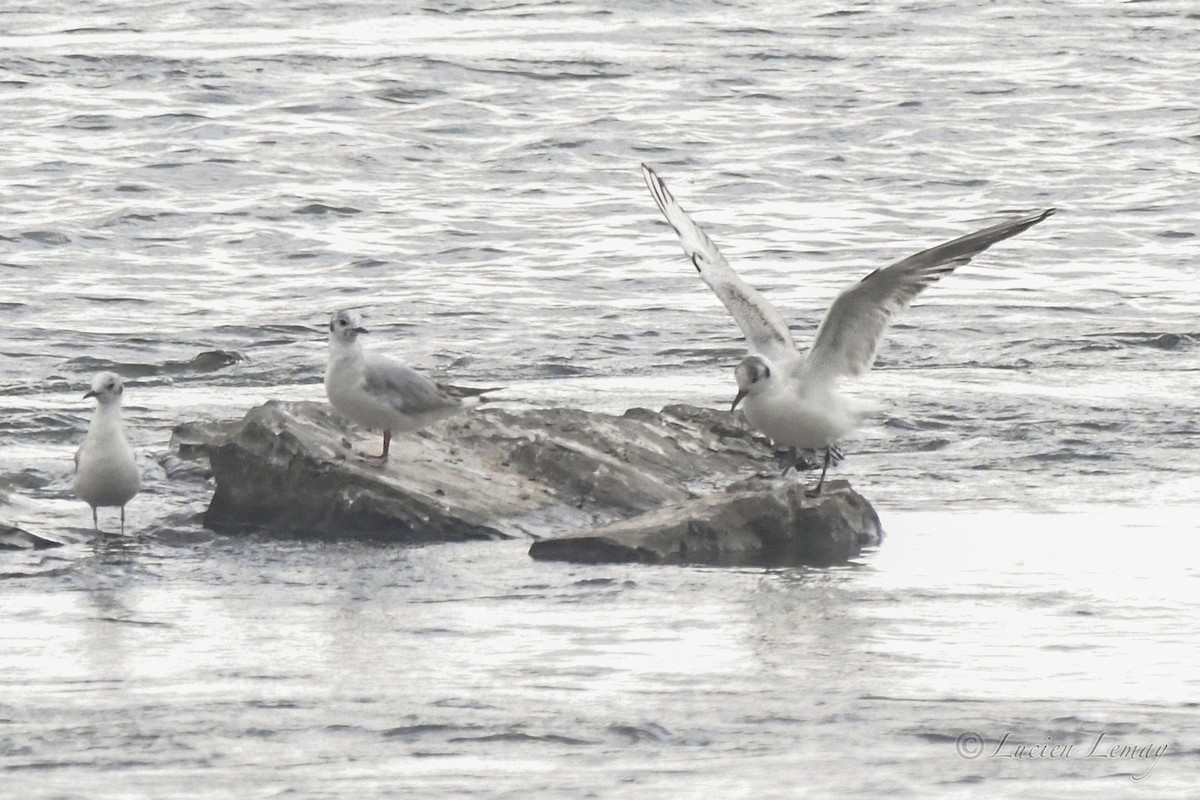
(1142, 757)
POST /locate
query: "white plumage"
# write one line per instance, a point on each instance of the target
(379, 392)
(106, 471)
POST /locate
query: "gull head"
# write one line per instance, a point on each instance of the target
(752, 376)
(345, 326)
(107, 388)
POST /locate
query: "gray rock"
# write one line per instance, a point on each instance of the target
(14, 538)
(490, 474)
(496, 473)
(288, 468)
(187, 458)
(771, 523)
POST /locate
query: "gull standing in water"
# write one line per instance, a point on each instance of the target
(379, 392)
(106, 472)
(793, 397)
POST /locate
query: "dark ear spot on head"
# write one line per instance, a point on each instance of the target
(766, 373)
(331, 326)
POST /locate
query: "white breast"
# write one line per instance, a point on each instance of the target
(800, 419)
(106, 473)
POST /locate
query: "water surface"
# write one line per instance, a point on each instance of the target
(191, 189)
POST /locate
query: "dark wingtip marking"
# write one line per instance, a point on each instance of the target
(1034, 219)
(661, 194)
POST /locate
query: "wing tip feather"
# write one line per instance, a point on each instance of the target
(658, 190)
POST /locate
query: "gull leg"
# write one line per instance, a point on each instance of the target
(381, 459)
(122, 520)
(95, 521)
(815, 491)
(793, 455)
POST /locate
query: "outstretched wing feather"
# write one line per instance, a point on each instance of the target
(765, 329)
(853, 328)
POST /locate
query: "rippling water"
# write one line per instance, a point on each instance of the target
(190, 190)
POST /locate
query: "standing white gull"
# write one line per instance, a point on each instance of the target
(106, 472)
(379, 392)
(793, 397)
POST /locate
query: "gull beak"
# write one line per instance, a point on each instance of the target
(89, 394)
(360, 329)
(741, 393)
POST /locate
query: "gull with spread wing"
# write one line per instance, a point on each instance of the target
(793, 397)
(379, 392)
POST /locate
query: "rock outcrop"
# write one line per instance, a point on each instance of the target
(14, 538)
(496, 473)
(761, 523)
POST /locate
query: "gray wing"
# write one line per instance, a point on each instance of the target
(853, 327)
(765, 330)
(462, 392)
(405, 389)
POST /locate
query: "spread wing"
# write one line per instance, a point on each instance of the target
(765, 330)
(853, 327)
(403, 388)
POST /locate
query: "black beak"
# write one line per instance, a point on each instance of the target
(741, 393)
(360, 329)
(89, 394)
